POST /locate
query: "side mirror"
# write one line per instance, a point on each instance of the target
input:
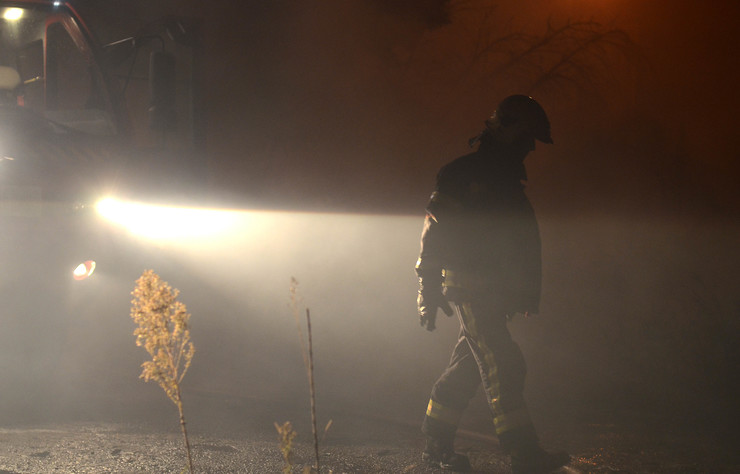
(162, 116)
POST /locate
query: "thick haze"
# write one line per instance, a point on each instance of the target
(349, 109)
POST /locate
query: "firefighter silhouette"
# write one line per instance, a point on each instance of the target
(480, 251)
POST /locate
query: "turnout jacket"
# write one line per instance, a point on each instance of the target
(481, 232)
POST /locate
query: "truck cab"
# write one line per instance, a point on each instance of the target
(67, 141)
(47, 49)
(66, 136)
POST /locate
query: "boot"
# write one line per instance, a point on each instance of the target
(535, 460)
(441, 454)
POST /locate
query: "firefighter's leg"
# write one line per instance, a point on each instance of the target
(450, 396)
(501, 366)
(503, 371)
(452, 392)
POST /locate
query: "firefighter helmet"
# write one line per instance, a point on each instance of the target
(519, 116)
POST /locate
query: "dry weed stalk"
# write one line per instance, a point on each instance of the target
(164, 332)
(287, 434)
(307, 352)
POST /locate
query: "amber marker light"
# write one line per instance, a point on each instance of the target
(84, 270)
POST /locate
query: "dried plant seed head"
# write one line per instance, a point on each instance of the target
(164, 332)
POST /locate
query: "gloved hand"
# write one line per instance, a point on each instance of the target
(429, 300)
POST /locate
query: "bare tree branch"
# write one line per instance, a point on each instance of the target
(480, 49)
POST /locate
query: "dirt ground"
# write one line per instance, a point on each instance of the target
(351, 445)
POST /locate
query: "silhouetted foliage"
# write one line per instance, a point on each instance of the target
(483, 50)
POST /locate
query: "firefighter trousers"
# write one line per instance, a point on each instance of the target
(485, 353)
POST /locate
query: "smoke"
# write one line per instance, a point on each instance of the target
(324, 106)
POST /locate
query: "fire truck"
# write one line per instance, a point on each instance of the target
(71, 137)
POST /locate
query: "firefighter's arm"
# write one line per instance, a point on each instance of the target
(430, 298)
(429, 270)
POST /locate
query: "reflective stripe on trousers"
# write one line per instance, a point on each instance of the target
(439, 412)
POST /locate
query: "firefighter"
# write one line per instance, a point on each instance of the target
(480, 250)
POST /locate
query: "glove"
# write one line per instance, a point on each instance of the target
(429, 300)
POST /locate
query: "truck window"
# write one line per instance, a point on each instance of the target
(73, 95)
(68, 84)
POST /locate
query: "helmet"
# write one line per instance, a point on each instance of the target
(519, 116)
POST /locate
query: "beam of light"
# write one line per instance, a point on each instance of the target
(164, 222)
(84, 270)
(13, 14)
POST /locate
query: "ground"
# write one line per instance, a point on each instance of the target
(352, 445)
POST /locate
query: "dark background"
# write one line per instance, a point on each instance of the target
(381, 94)
(345, 110)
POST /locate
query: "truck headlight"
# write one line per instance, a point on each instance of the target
(165, 222)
